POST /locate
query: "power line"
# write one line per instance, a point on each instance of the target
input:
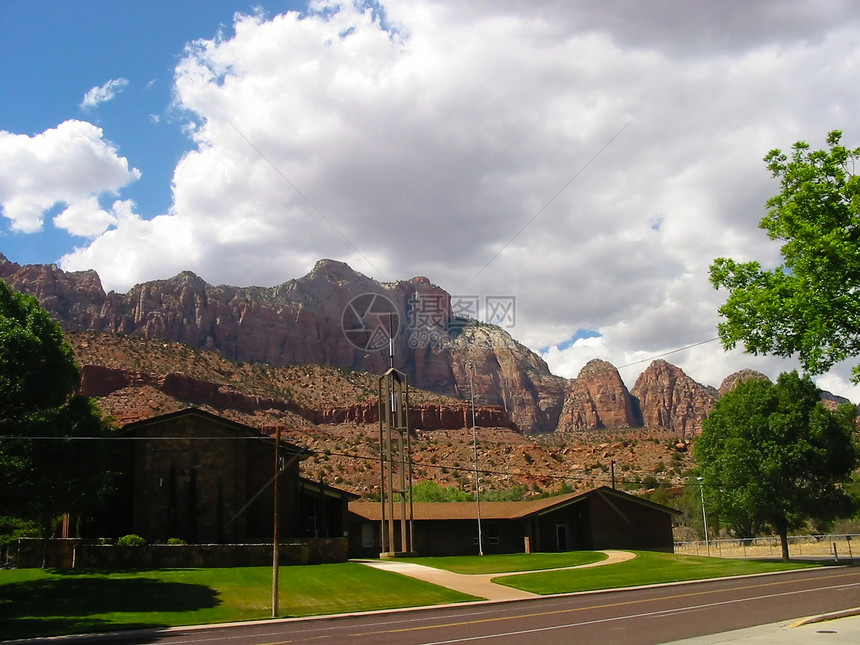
(545, 206)
(109, 438)
(306, 199)
(543, 474)
(674, 351)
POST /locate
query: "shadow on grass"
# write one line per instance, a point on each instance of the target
(110, 632)
(70, 604)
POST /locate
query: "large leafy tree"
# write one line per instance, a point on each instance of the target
(773, 455)
(37, 368)
(810, 304)
(49, 461)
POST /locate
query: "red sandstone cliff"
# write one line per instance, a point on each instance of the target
(597, 399)
(302, 321)
(101, 381)
(668, 398)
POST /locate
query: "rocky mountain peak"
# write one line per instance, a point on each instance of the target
(332, 271)
(491, 361)
(302, 322)
(732, 380)
(596, 368)
(188, 279)
(668, 398)
(597, 399)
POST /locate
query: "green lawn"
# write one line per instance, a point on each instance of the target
(34, 602)
(647, 568)
(470, 564)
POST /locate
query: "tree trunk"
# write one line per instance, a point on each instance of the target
(46, 534)
(783, 541)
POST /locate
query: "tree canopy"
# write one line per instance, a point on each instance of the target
(49, 463)
(810, 304)
(37, 368)
(772, 455)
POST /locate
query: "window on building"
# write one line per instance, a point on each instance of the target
(368, 535)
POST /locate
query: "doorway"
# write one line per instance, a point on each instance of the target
(561, 536)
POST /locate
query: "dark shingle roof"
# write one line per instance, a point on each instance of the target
(372, 511)
(231, 427)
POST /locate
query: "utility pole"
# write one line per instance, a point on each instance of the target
(276, 520)
(477, 471)
(704, 516)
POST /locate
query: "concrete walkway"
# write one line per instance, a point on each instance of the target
(481, 585)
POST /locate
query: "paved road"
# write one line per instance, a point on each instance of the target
(633, 617)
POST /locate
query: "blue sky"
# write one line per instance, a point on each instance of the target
(588, 159)
(53, 52)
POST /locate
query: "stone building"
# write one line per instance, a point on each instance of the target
(208, 480)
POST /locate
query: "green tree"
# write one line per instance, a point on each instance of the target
(773, 455)
(430, 491)
(810, 304)
(49, 463)
(37, 368)
(11, 530)
(516, 493)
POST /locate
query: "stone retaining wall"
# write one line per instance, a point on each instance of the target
(74, 553)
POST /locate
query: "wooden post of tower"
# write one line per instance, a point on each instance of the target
(396, 465)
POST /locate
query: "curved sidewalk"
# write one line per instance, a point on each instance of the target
(481, 584)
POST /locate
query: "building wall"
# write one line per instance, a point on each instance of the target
(564, 529)
(618, 523)
(190, 488)
(321, 511)
(460, 537)
(71, 553)
(181, 485)
(172, 482)
(441, 537)
(598, 520)
(258, 518)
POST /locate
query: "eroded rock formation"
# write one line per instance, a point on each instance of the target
(302, 321)
(668, 398)
(597, 399)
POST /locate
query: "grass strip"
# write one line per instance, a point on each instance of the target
(508, 563)
(647, 568)
(36, 602)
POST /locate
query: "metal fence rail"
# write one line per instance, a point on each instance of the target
(840, 548)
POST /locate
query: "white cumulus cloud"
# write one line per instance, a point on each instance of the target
(502, 148)
(68, 164)
(102, 94)
(85, 218)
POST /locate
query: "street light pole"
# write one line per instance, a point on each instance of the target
(704, 516)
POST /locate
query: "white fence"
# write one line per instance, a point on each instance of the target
(840, 548)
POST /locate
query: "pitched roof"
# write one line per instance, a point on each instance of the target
(326, 490)
(232, 427)
(372, 511)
